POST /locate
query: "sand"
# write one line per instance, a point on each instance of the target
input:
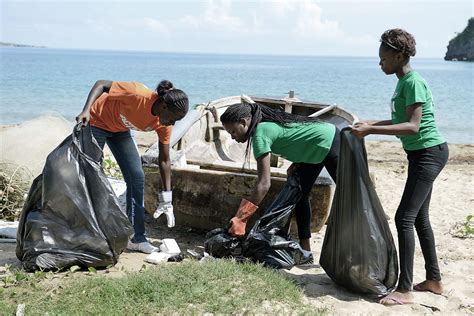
(453, 198)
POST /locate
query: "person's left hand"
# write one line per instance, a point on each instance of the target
(360, 129)
(165, 207)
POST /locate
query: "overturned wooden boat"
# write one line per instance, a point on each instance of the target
(209, 176)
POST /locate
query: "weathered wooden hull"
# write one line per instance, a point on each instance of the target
(207, 199)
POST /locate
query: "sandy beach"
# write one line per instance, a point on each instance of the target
(452, 201)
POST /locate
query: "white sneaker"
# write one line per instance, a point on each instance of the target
(144, 247)
(307, 257)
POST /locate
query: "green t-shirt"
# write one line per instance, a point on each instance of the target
(411, 89)
(298, 142)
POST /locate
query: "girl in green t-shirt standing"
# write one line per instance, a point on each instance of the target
(307, 142)
(427, 152)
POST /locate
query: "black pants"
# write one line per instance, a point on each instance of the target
(423, 167)
(308, 175)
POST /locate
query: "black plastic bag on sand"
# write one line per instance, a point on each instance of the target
(219, 244)
(358, 250)
(268, 241)
(71, 215)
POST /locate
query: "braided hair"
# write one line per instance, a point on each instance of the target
(399, 40)
(260, 113)
(175, 99)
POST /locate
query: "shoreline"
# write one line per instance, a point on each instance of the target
(29, 143)
(144, 136)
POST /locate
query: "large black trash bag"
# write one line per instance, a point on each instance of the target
(71, 215)
(358, 250)
(220, 244)
(268, 241)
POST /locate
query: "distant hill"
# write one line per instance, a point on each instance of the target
(462, 46)
(3, 44)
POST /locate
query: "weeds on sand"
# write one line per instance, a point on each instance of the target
(15, 277)
(111, 168)
(463, 229)
(14, 185)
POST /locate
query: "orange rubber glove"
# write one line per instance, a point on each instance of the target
(239, 221)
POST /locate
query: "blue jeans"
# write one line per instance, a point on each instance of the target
(125, 152)
(423, 167)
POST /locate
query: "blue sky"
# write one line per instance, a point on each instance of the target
(298, 27)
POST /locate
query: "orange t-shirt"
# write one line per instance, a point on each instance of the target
(127, 105)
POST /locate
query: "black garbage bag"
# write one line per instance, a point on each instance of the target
(71, 215)
(220, 244)
(358, 250)
(268, 241)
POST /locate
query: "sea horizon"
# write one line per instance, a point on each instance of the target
(207, 53)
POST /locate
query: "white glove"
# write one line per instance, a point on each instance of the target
(165, 207)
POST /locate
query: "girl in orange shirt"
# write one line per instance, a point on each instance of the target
(112, 109)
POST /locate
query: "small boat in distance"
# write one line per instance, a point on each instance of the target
(209, 175)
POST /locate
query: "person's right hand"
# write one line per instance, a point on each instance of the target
(360, 129)
(239, 221)
(83, 117)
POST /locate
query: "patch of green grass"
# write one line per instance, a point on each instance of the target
(190, 287)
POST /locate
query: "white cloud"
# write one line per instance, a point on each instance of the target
(310, 21)
(282, 7)
(300, 22)
(189, 21)
(154, 25)
(217, 17)
(99, 25)
(303, 17)
(217, 13)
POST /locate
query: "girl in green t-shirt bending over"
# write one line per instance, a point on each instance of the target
(307, 142)
(413, 122)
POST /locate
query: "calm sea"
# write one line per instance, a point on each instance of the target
(35, 81)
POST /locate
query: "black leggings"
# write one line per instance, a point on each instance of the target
(308, 175)
(423, 167)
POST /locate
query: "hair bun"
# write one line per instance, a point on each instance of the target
(163, 87)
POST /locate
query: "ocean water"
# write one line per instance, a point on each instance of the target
(36, 82)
